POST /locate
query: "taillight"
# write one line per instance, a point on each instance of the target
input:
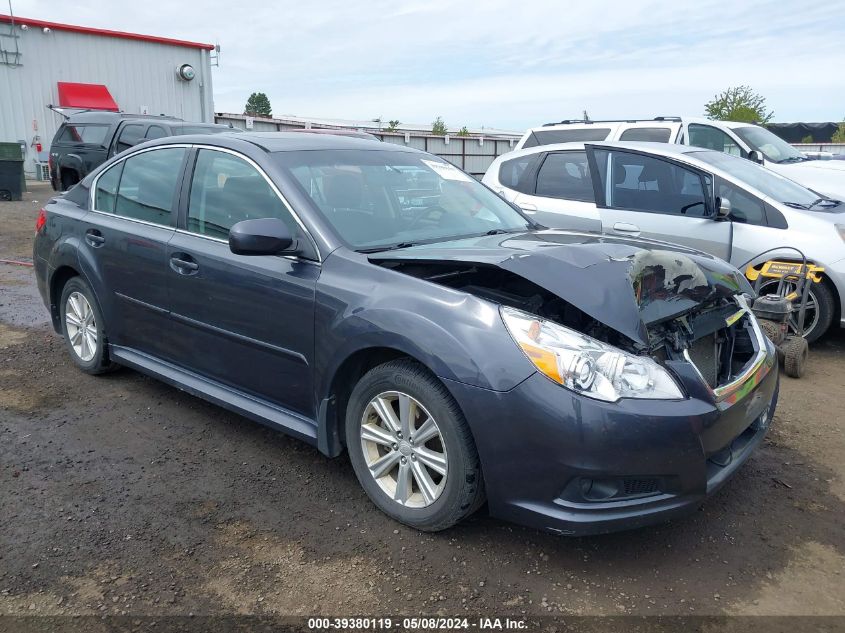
(50, 163)
(41, 221)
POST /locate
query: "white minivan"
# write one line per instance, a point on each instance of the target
(739, 139)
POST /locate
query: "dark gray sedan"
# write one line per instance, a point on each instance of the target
(376, 300)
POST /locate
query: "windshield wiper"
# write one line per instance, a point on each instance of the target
(792, 159)
(798, 205)
(831, 202)
(392, 247)
(496, 232)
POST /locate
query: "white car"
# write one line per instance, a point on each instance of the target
(723, 205)
(739, 139)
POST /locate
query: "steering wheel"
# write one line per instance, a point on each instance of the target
(687, 207)
(423, 214)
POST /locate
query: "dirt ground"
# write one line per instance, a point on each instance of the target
(120, 495)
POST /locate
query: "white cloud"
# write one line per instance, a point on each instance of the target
(500, 63)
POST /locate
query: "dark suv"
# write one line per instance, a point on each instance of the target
(375, 299)
(87, 139)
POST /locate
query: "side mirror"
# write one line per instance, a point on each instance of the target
(266, 236)
(723, 208)
(755, 156)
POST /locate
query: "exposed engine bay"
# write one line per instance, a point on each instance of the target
(710, 326)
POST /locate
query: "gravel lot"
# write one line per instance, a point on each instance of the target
(120, 495)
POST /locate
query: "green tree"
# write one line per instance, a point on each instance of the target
(839, 134)
(807, 139)
(258, 105)
(392, 125)
(463, 131)
(738, 103)
(438, 127)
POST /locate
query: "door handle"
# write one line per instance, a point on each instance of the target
(183, 264)
(625, 227)
(94, 238)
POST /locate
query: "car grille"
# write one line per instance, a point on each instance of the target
(704, 356)
(636, 487)
(721, 356)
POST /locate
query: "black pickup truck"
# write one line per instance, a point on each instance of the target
(87, 139)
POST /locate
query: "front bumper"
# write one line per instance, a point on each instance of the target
(550, 457)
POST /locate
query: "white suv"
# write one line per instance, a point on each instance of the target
(740, 139)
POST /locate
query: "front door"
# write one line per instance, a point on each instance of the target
(642, 195)
(245, 321)
(124, 246)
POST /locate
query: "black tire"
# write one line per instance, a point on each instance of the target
(463, 489)
(5, 195)
(825, 305)
(69, 179)
(99, 362)
(795, 352)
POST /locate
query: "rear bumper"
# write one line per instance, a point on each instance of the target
(552, 459)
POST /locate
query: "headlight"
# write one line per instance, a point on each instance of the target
(585, 365)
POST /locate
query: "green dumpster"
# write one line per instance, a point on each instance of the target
(12, 184)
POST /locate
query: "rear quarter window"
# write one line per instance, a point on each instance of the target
(517, 173)
(650, 134)
(548, 137)
(88, 134)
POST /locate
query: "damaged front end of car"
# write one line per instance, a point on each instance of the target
(609, 318)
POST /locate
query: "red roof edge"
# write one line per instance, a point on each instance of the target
(105, 32)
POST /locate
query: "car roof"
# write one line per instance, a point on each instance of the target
(288, 142)
(663, 149)
(99, 116)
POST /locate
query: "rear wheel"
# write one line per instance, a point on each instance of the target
(411, 448)
(83, 328)
(818, 314)
(795, 352)
(69, 179)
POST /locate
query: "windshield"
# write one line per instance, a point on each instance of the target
(772, 147)
(382, 199)
(758, 177)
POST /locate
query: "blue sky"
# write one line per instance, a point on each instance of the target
(497, 63)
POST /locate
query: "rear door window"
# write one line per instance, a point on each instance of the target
(130, 135)
(148, 185)
(156, 131)
(566, 175)
(88, 134)
(650, 134)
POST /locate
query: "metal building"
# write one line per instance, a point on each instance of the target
(46, 63)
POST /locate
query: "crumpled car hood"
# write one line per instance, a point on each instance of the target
(627, 284)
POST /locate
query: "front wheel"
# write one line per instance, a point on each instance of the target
(411, 448)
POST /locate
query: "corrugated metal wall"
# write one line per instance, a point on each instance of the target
(137, 74)
(470, 153)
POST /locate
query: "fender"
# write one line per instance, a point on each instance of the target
(71, 161)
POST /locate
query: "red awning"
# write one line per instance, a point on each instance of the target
(93, 96)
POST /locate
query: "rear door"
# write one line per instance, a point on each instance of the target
(640, 194)
(124, 251)
(559, 193)
(245, 321)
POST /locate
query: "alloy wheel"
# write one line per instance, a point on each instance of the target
(404, 449)
(81, 326)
